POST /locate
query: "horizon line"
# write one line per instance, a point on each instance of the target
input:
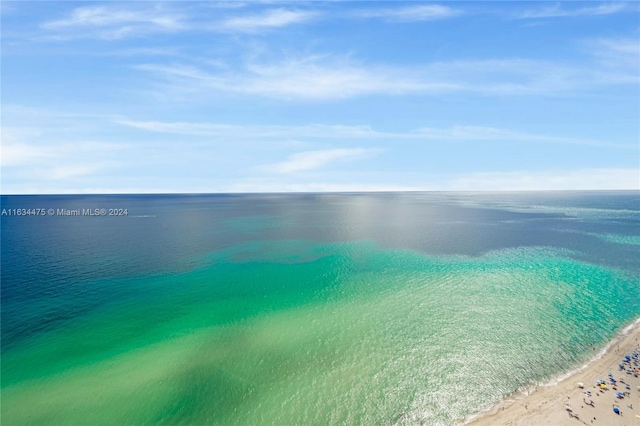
(323, 192)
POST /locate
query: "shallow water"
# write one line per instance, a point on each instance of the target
(307, 309)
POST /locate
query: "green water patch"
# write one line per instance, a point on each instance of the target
(164, 307)
(299, 333)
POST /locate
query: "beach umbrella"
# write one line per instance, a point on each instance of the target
(616, 410)
(620, 395)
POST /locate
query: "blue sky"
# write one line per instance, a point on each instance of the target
(266, 96)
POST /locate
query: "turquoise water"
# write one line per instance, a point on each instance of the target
(335, 309)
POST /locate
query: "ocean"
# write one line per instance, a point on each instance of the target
(306, 309)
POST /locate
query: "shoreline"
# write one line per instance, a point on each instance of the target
(545, 404)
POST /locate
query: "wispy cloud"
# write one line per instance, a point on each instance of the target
(581, 179)
(276, 185)
(557, 11)
(585, 179)
(118, 21)
(274, 18)
(262, 132)
(623, 53)
(46, 159)
(323, 77)
(308, 78)
(53, 158)
(100, 16)
(310, 160)
(24, 162)
(67, 171)
(45, 146)
(522, 180)
(327, 131)
(410, 14)
(483, 133)
(142, 51)
(18, 154)
(114, 22)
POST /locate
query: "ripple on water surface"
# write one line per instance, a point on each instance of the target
(300, 332)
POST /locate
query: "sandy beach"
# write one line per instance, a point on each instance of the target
(566, 403)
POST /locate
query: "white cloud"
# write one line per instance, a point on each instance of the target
(102, 17)
(244, 186)
(482, 133)
(228, 131)
(621, 53)
(274, 18)
(33, 156)
(325, 77)
(114, 22)
(581, 179)
(16, 154)
(322, 131)
(411, 14)
(556, 11)
(142, 51)
(622, 46)
(311, 78)
(310, 160)
(67, 171)
(273, 185)
(307, 78)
